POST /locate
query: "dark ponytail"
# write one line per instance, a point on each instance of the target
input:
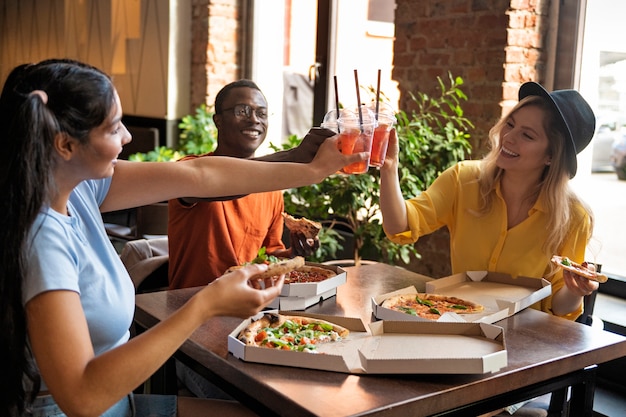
(38, 102)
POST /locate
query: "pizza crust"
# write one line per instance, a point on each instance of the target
(578, 269)
(281, 267)
(308, 228)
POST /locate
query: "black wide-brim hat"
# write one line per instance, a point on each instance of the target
(578, 119)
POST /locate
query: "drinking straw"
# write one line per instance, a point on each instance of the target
(377, 94)
(336, 100)
(358, 99)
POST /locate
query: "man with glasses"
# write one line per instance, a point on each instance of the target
(208, 237)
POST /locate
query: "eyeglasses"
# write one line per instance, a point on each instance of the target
(241, 111)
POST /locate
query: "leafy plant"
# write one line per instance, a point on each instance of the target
(198, 135)
(198, 132)
(432, 137)
(159, 154)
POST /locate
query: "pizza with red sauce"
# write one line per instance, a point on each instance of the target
(302, 334)
(430, 306)
(308, 273)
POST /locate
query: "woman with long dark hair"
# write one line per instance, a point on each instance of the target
(66, 300)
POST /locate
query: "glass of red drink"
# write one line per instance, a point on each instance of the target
(356, 132)
(380, 140)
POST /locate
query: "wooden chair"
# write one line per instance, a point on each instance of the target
(144, 222)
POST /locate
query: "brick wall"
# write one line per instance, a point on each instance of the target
(465, 37)
(199, 47)
(214, 48)
(525, 49)
(494, 45)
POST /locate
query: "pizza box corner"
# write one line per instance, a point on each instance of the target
(308, 289)
(500, 294)
(392, 347)
(300, 303)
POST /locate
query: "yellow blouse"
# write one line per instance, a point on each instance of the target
(483, 243)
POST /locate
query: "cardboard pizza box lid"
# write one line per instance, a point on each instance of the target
(300, 303)
(500, 294)
(392, 348)
(307, 289)
(433, 348)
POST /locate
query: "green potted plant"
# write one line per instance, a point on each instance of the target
(433, 136)
(198, 135)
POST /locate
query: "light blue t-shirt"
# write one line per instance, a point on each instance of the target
(74, 253)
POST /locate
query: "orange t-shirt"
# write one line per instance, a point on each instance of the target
(207, 238)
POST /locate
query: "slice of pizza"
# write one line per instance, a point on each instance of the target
(298, 333)
(308, 228)
(579, 269)
(275, 266)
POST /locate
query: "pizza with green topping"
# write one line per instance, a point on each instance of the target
(430, 306)
(297, 333)
(579, 269)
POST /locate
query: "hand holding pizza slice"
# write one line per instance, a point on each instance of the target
(275, 268)
(295, 269)
(581, 270)
(303, 234)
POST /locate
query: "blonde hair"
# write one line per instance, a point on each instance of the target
(560, 200)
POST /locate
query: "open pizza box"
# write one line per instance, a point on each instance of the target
(300, 303)
(387, 347)
(308, 289)
(500, 294)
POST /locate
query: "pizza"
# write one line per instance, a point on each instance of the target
(275, 267)
(579, 269)
(430, 306)
(281, 267)
(297, 333)
(309, 273)
(308, 228)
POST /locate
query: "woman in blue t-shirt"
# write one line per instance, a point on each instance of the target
(66, 300)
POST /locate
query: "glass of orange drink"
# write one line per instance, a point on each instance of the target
(356, 132)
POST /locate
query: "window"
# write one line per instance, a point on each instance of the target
(380, 18)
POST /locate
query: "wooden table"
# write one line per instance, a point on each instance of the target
(545, 353)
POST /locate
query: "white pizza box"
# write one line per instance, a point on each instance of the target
(307, 289)
(388, 347)
(500, 294)
(300, 303)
